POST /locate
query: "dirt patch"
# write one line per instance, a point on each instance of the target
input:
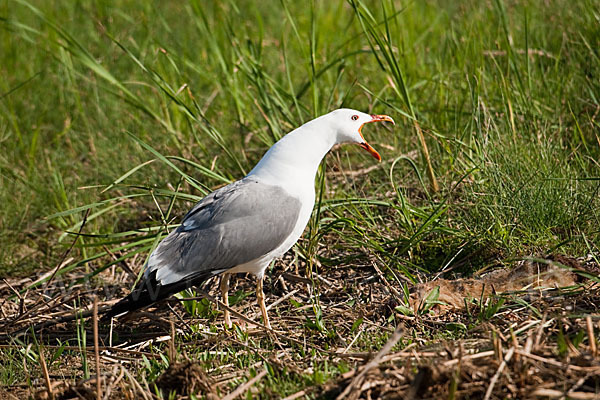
(525, 276)
(184, 378)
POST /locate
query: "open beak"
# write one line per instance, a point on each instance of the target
(367, 146)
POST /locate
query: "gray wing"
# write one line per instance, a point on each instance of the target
(231, 226)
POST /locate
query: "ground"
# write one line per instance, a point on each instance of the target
(359, 339)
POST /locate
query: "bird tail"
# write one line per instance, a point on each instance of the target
(150, 291)
(135, 300)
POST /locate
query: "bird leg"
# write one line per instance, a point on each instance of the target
(260, 297)
(225, 296)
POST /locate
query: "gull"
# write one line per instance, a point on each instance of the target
(245, 225)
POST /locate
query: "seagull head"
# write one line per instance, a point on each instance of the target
(348, 127)
(293, 161)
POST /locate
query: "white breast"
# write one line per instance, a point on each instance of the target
(306, 194)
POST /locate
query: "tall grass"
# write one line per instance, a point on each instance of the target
(137, 110)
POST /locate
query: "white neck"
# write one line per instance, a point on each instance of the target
(293, 161)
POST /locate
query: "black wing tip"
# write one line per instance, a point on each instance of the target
(147, 292)
(126, 305)
(150, 291)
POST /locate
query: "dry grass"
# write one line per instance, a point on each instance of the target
(539, 343)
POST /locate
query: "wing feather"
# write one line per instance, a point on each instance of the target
(232, 226)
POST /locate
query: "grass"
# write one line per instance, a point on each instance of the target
(119, 115)
(518, 132)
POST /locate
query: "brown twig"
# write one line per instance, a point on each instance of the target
(357, 381)
(97, 349)
(501, 367)
(136, 385)
(45, 373)
(434, 183)
(172, 353)
(592, 338)
(296, 395)
(558, 363)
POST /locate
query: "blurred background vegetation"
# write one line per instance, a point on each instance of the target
(97, 95)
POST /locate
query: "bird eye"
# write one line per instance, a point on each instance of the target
(354, 117)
